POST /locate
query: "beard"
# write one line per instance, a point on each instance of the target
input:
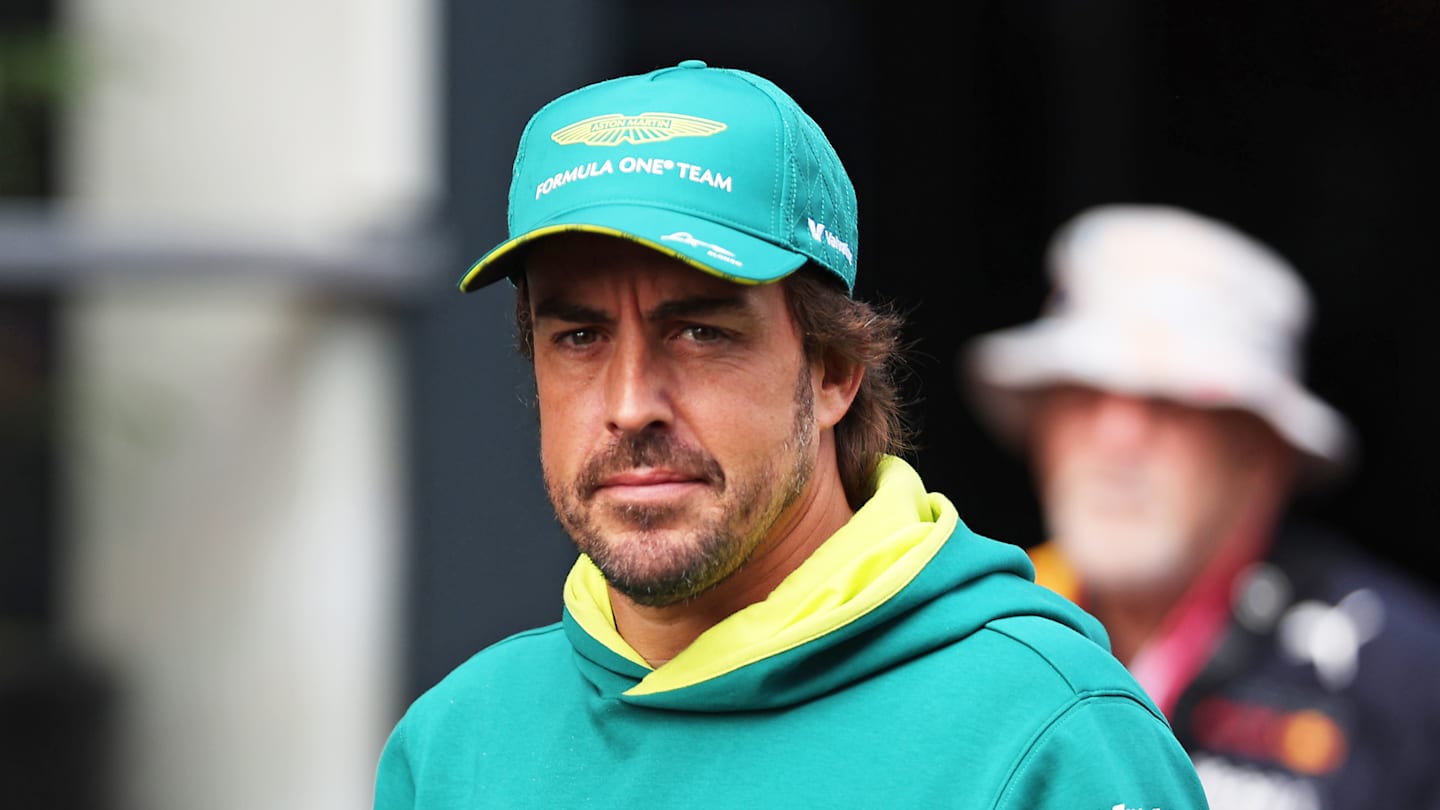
(1118, 529)
(664, 554)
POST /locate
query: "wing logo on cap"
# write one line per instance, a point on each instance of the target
(614, 129)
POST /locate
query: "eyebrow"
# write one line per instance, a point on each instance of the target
(564, 309)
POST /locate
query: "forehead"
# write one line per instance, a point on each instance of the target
(1082, 406)
(572, 263)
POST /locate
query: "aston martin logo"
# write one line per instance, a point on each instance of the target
(615, 129)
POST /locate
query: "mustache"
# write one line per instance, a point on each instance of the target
(647, 450)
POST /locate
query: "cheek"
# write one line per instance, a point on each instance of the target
(567, 391)
(1195, 477)
(1057, 445)
(742, 423)
(562, 414)
(735, 425)
(551, 397)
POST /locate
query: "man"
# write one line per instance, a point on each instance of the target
(769, 609)
(1160, 404)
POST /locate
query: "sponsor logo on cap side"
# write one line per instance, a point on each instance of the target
(822, 234)
(614, 129)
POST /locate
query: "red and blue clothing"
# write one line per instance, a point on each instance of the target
(1307, 679)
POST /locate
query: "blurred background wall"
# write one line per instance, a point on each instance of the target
(265, 475)
(211, 249)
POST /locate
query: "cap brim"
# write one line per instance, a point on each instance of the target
(1002, 368)
(730, 254)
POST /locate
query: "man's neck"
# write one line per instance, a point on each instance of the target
(1134, 617)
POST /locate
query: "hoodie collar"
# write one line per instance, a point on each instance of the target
(870, 559)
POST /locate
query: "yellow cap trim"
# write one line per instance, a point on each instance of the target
(490, 260)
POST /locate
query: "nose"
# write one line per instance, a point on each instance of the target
(1122, 420)
(637, 388)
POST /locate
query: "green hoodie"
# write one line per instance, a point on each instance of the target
(908, 663)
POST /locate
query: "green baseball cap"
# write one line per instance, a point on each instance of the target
(717, 167)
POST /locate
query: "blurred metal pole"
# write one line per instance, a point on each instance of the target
(43, 248)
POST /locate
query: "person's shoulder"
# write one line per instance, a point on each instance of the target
(1077, 664)
(1094, 732)
(492, 692)
(1321, 563)
(1343, 605)
(513, 660)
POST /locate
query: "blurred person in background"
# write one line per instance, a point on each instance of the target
(769, 608)
(1158, 401)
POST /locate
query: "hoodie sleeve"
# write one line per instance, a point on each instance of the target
(1105, 752)
(394, 784)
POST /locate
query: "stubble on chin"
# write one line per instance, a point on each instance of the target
(1117, 542)
(658, 555)
(655, 554)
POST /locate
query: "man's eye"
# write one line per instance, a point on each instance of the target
(577, 337)
(702, 334)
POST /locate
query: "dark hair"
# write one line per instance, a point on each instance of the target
(867, 335)
(836, 325)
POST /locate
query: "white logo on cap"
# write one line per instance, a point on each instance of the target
(712, 250)
(820, 233)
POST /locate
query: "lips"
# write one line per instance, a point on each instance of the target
(648, 485)
(649, 477)
(648, 466)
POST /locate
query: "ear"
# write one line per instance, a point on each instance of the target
(1282, 463)
(837, 382)
(1264, 466)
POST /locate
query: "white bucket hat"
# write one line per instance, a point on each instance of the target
(1159, 301)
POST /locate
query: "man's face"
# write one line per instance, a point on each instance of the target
(1140, 492)
(676, 412)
